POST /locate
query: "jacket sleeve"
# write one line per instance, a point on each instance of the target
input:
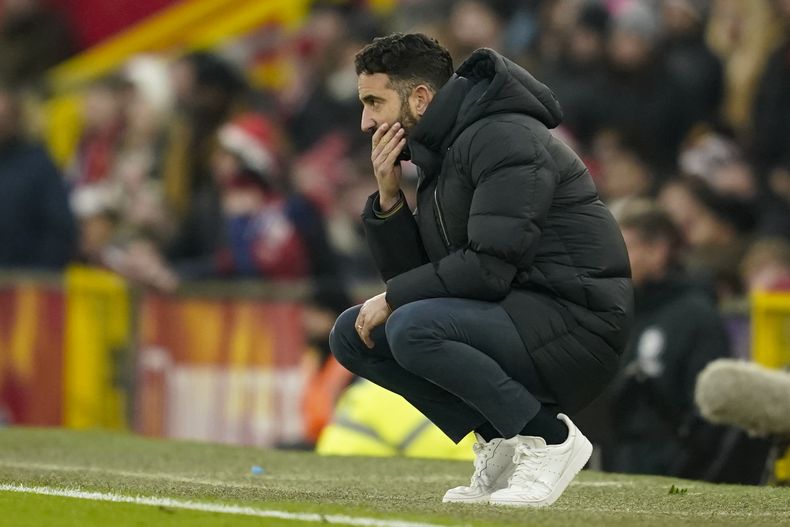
(514, 183)
(394, 241)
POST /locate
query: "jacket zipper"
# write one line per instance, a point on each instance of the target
(439, 218)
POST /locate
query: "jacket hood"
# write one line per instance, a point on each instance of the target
(510, 89)
(485, 84)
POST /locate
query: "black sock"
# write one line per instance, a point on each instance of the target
(546, 425)
(488, 432)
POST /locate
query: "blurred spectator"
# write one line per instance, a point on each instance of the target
(33, 38)
(772, 103)
(689, 59)
(322, 101)
(96, 212)
(641, 100)
(207, 92)
(620, 173)
(766, 266)
(579, 74)
(713, 226)
(143, 212)
(556, 21)
(721, 165)
(36, 226)
(743, 34)
(103, 129)
(245, 230)
(474, 24)
(345, 224)
(676, 332)
(779, 181)
(114, 191)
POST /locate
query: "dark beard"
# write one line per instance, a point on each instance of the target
(408, 121)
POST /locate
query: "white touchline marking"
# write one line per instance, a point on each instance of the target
(601, 484)
(161, 476)
(213, 507)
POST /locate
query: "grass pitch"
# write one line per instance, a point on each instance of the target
(301, 489)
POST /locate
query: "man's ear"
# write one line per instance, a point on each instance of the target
(421, 97)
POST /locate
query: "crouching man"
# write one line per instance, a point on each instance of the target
(508, 292)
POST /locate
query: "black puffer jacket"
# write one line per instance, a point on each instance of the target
(507, 213)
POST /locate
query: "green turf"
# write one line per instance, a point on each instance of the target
(405, 489)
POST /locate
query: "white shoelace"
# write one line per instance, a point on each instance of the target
(528, 463)
(483, 453)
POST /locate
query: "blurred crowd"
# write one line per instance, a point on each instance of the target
(187, 168)
(190, 167)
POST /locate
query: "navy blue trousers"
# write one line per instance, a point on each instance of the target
(460, 362)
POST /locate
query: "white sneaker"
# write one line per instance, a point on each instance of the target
(493, 467)
(542, 473)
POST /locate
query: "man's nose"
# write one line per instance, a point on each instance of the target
(367, 124)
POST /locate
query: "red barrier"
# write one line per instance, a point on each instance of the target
(220, 370)
(31, 354)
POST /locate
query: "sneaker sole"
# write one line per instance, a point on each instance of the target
(577, 462)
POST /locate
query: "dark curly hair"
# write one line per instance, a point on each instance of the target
(409, 59)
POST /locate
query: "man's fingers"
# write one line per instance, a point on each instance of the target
(384, 151)
(385, 134)
(364, 333)
(366, 338)
(378, 133)
(396, 150)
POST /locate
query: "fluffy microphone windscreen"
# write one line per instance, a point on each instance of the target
(745, 395)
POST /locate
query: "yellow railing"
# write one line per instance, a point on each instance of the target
(771, 345)
(771, 329)
(97, 340)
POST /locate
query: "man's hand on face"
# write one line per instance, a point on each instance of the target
(374, 312)
(388, 142)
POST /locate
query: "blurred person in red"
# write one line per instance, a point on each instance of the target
(103, 129)
(36, 226)
(245, 230)
(114, 191)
